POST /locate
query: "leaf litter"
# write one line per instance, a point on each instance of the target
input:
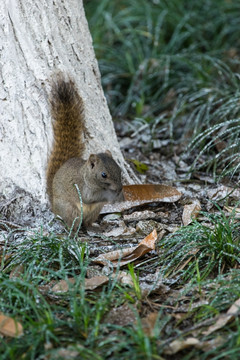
(122, 257)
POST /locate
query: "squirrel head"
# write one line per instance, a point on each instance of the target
(105, 175)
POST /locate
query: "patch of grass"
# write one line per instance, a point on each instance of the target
(73, 324)
(221, 291)
(174, 65)
(67, 322)
(199, 249)
(219, 144)
(146, 48)
(43, 252)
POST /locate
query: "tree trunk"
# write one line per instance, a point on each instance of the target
(37, 39)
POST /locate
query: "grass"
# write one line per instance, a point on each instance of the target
(205, 249)
(201, 261)
(174, 66)
(51, 321)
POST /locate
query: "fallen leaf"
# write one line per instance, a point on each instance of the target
(151, 192)
(223, 319)
(232, 209)
(150, 240)
(125, 256)
(124, 278)
(190, 212)
(136, 195)
(148, 323)
(10, 327)
(63, 285)
(90, 284)
(178, 345)
(95, 282)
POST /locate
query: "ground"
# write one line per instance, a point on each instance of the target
(149, 282)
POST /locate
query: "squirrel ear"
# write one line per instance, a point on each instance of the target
(108, 152)
(93, 160)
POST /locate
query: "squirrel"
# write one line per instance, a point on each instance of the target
(98, 178)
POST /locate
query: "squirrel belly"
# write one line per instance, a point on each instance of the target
(98, 178)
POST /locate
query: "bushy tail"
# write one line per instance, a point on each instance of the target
(68, 126)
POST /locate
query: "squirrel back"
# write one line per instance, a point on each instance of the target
(68, 126)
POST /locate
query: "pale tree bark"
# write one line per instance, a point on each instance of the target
(38, 38)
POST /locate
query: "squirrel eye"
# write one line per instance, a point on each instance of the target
(104, 175)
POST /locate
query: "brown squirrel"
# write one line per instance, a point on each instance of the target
(98, 178)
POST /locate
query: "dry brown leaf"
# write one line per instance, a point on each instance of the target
(125, 256)
(63, 285)
(95, 282)
(90, 284)
(223, 319)
(10, 327)
(148, 323)
(136, 195)
(112, 256)
(150, 240)
(151, 192)
(190, 212)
